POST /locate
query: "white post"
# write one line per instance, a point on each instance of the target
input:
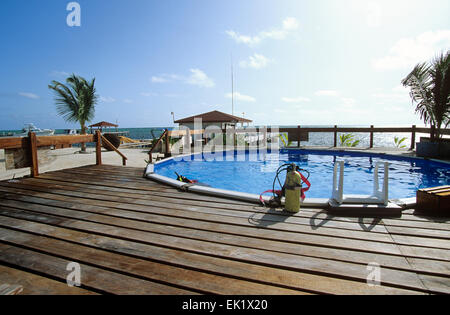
(338, 188)
(383, 193)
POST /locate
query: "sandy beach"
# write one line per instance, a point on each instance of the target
(70, 157)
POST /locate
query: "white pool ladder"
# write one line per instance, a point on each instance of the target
(378, 196)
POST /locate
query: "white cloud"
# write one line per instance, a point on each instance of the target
(241, 97)
(348, 102)
(299, 99)
(159, 80)
(327, 93)
(374, 14)
(407, 52)
(256, 62)
(29, 95)
(128, 101)
(199, 78)
(290, 24)
(280, 111)
(396, 95)
(242, 39)
(344, 103)
(107, 99)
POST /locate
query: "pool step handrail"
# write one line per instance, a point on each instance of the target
(379, 196)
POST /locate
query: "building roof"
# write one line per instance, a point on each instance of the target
(214, 116)
(104, 124)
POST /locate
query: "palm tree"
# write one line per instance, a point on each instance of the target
(76, 101)
(430, 89)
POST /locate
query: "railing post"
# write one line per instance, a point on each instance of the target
(413, 138)
(371, 136)
(432, 132)
(335, 136)
(265, 142)
(167, 142)
(34, 171)
(257, 137)
(299, 136)
(98, 147)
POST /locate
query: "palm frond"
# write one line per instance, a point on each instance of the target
(75, 100)
(66, 104)
(430, 89)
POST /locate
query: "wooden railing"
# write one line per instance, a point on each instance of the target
(371, 130)
(299, 133)
(110, 146)
(31, 144)
(165, 135)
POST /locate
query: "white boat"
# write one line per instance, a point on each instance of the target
(72, 132)
(38, 131)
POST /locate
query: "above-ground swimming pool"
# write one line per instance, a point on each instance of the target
(249, 172)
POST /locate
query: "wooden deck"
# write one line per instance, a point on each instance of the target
(134, 236)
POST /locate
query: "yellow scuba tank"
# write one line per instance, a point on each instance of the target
(293, 187)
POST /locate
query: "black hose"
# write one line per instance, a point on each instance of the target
(283, 168)
(280, 169)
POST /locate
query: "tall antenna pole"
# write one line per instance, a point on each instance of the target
(232, 87)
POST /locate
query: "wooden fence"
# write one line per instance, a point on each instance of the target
(299, 133)
(371, 130)
(30, 146)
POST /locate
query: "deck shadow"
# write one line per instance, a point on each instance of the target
(263, 222)
(322, 222)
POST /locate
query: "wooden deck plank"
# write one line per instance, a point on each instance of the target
(92, 278)
(257, 213)
(237, 240)
(198, 230)
(429, 225)
(238, 269)
(277, 235)
(169, 275)
(435, 284)
(305, 213)
(146, 186)
(322, 216)
(241, 225)
(422, 241)
(34, 284)
(156, 217)
(353, 271)
(269, 215)
(256, 219)
(365, 245)
(432, 267)
(116, 223)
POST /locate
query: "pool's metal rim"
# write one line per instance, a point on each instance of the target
(405, 203)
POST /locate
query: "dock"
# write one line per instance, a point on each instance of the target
(130, 235)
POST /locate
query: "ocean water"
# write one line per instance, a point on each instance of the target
(315, 139)
(133, 133)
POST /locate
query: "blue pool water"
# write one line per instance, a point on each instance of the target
(253, 173)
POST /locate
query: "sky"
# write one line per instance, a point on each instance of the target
(295, 62)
